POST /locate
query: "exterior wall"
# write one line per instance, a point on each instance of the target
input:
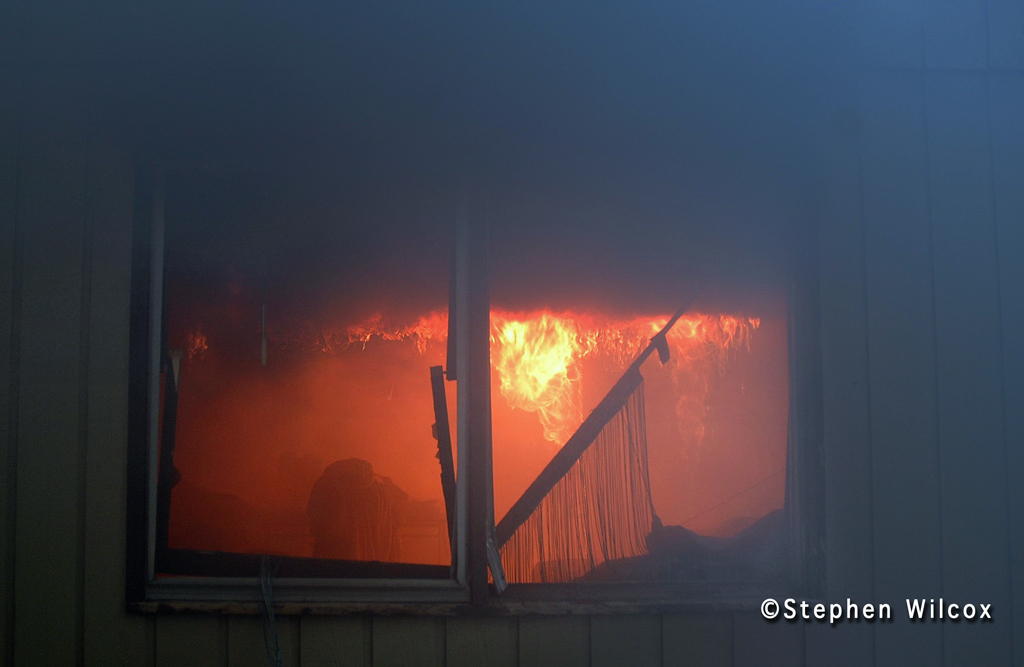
(922, 283)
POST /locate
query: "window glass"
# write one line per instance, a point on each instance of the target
(578, 291)
(307, 313)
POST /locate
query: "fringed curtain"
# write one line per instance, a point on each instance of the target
(600, 511)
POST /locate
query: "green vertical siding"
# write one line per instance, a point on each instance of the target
(51, 396)
(697, 639)
(336, 642)
(10, 108)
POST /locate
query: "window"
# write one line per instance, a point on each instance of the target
(715, 444)
(300, 393)
(289, 404)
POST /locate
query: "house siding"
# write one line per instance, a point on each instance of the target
(921, 254)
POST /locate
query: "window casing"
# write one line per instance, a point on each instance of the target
(230, 580)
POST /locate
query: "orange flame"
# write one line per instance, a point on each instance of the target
(536, 358)
(197, 345)
(537, 355)
(324, 338)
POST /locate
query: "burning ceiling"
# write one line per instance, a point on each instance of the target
(537, 355)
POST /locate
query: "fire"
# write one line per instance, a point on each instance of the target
(332, 340)
(197, 344)
(537, 354)
(427, 328)
(536, 358)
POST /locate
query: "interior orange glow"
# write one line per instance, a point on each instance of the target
(252, 440)
(197, 344)
(537, 354)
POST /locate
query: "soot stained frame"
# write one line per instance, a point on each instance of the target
(215, 581)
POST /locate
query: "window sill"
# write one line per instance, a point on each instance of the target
(447, 598)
